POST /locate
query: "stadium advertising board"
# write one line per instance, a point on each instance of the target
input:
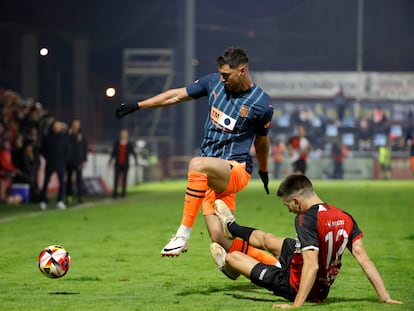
(364, 85)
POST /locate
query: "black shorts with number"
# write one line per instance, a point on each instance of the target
(276, 278)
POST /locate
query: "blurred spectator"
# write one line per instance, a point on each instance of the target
(32, 138)
(121, 151)
(409, 138)
(319, 129)
(379, 120)
(6, 163)
(45, 124)
(55, 150)
(17, 150)
(11, 127)
(306, 117)
(384, 159)
(338, 156)
(2, 130)
(278, 153)
(294, 117)
(364, 135)
(32, 120)
(340, 103)
(398, 144)
(78, 157)
(29, 164)
(298, 148)
(7, 171)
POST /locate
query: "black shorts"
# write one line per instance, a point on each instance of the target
(276, 278)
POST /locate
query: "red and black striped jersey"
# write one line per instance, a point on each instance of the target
(330, 231)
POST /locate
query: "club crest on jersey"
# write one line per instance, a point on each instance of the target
(244, 111)
(222, 120)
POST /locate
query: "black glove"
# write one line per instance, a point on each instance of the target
(125, 109)
(264, 176)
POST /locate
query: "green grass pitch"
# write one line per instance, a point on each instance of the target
(116, 263)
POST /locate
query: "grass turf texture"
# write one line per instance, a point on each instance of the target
(116, 263)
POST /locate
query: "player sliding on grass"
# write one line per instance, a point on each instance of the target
(240, 114)
(307, 266)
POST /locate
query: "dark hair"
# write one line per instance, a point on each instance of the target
(294, 184)
(233, 57)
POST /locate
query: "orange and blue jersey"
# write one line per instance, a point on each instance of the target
(234, 119)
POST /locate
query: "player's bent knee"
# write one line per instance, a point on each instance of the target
(269, 241)
(196, 164)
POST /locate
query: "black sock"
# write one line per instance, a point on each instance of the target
(240, 231)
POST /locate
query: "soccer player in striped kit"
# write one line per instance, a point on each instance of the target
(240, 114)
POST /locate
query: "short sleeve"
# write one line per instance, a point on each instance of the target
(199, 88)
(306, 229)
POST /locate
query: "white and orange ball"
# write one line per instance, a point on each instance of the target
(54, 261)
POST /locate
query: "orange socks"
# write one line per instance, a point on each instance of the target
(194, 195)
(244, 247)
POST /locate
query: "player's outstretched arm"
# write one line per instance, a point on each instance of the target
(361, 256)
(166, 98)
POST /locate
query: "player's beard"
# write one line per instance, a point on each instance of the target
(229, 88)
(228, 92)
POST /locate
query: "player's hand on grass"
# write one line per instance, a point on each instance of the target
(264, 176)
(282, 306)
(392, 301)
(125, 109)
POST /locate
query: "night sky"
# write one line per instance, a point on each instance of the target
(304, 35)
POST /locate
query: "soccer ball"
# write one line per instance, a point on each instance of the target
(54, 261)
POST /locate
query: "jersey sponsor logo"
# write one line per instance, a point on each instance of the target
(244, 111)
(214, 94)
(222, 120)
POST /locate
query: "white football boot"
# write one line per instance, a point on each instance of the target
(176, 246)
(218, 253)
(225, 216)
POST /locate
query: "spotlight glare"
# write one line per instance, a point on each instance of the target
(44, 51)
(110, 92)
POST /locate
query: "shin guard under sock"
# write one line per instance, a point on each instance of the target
(194, 195)
(259, 255)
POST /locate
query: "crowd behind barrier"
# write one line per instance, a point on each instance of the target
(24, 123)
